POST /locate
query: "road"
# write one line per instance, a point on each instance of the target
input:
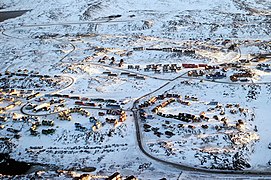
(182, 167)
(179, 165)
(132, 72)
(47, 114)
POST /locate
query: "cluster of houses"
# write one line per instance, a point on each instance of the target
(264, 67)
(213, 67)
(150, 102)
(33, 96)
(110, 74)
(81, 98)
(128, 74)
(3, 118)
(165, 68)
(66, 114)
(242, 76)
(10, 106)
(64, 96)
(245, 73)
(26, 119)
(48, 131)
(132, 75)
(209, 75)
(148, 128)
(192, 98)
(89, 58)
(40, 81)
(112, 121)
(216, 75)
(56, 101)
(173, 98)
(13, 130)
(82, 103)
(158, 68)
(79, 127)
(204, 66)
(239, 135)
(136, 67)
(162, 105)
(47, 122)
(233, 109)
(261, 57)
(236, 65)
(10, 93)
(122, 116)
(70, 69)
(42, 107)
(33, 129)
(117, 176)
(97, 124)
(191, 66)
(168, 147)
(112, 61)
(190, 118)
(245, 61)
(175, 50)
(81, 111)
(144, 115)
(46, 106)
(196, 73)
(185, 117)
(24, 73)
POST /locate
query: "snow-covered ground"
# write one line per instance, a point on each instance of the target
(186, 140)
(84, 43)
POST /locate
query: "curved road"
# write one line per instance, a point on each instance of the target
(178, 165)
(137, 123)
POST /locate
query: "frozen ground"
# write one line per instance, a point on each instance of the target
(76, 41)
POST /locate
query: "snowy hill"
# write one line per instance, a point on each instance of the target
(163, 88)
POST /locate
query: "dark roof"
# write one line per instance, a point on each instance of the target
(213, 103)
(113, 176)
